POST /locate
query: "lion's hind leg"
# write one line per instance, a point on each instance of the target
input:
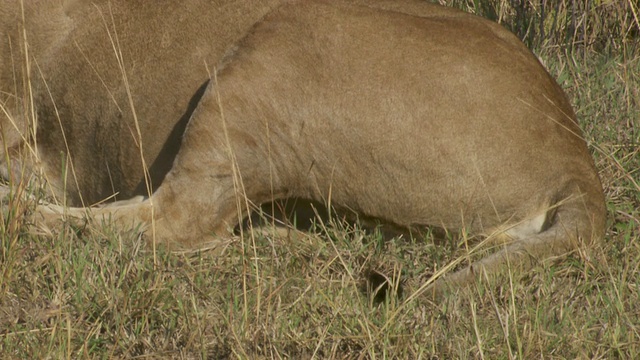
(561, 231)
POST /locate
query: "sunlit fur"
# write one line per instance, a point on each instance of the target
(401, 110)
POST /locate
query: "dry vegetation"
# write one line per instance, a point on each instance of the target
(90, 292)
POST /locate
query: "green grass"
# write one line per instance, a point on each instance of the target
(91, 292)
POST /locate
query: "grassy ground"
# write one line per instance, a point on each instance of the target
(90, 292)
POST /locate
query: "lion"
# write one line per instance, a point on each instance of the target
(411, 113)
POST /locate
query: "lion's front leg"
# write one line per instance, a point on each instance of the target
(128, 215)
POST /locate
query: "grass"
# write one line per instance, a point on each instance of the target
(92, 292)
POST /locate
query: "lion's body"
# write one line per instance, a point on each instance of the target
(167, 52)
(412, 113)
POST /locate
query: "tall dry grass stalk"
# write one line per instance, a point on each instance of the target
(572, 25)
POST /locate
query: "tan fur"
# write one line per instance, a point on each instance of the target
(408, 112)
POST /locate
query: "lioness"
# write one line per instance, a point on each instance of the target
(401, 110)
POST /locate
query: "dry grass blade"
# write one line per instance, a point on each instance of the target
(90, 291)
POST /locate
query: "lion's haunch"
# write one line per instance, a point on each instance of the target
(404, 111)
